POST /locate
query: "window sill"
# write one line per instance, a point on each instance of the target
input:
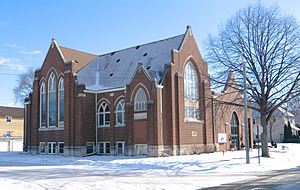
(120, 126)
(51, 129)
(103, 126)
(193, 120)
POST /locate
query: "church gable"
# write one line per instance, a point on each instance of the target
(53, 59)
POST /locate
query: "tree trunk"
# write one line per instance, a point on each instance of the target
(264, 142)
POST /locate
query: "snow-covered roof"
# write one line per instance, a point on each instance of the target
(295, 128)
(115, 69)
(285, 112)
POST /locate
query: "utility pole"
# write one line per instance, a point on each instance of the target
(246, 114)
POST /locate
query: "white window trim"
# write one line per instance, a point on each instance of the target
(6, 118)
(60, 88)
(45, 148)
(193, 120)
(122, 112)
(51, 129)
(52, 143)
(104, 147)
(191, 93)
(52, 75)
(59, 143)
(123, 147)
(104, 115)
(140, 106)
(42, 92)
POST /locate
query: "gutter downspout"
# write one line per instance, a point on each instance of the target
(96, 124)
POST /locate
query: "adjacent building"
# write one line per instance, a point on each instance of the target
(150, 99)
(280, 118)
(11, 122)
(11, 128)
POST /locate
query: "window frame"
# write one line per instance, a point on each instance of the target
(122, 112)
(52, 88)
(90, 143)
(191, 93)
(43, 97)
(105, 148)
(140, 105)
(105, 114)
(53, 147)
(59, 148)
(8, 119)
(123, 147)
(60, 89)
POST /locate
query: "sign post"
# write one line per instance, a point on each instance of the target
(258, 153)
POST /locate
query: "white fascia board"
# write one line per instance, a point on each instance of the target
(104, 91)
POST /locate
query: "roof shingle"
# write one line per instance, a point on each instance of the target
(11, 111)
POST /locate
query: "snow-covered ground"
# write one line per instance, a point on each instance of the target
(23, 171)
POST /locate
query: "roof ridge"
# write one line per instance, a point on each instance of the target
(100, 55)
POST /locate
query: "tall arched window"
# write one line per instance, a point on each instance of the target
(103, 115)
(61, 100)
(120, 113)
(42, 105)
(52, 100)
(140, 100)
(191, 96)
(234, 123)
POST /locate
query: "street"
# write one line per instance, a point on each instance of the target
(279, 180)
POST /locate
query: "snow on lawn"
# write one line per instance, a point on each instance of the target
(23, 171)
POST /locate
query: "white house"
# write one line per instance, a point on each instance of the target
(279, 119)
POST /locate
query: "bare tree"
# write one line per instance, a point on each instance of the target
(24, 86)
(268, 42)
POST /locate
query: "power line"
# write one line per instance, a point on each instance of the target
(10, 74)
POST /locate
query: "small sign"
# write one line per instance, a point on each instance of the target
(222, 138)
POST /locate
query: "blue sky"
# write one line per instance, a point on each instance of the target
(26, 27)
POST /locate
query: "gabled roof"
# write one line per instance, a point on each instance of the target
(115, 69)
(80, 58)
(11, 111)
(285, 112)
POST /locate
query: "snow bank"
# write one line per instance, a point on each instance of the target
(107, 172)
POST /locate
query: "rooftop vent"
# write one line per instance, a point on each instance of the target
(137, 47)
(118, 61)
(111, 74)
(145, 54)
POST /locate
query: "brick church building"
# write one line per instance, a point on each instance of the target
(151, 99)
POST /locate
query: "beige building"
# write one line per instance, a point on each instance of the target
(11, 122)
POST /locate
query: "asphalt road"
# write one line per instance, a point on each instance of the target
(278, 180)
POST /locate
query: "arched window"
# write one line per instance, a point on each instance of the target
(234, 123)
(42, 105)
(191, 96)
(61, 99)
(120, 113)
(103, 115)
(52, 100)
(140, 100)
